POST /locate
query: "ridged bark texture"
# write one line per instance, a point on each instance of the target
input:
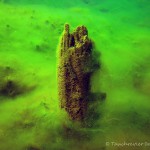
(74, 56)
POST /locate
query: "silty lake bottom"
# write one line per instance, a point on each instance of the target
(30, 113)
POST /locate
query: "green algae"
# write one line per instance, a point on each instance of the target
(29, 35)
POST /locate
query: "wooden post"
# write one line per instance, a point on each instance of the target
(74, 58)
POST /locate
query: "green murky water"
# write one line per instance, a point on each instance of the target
(30, 116)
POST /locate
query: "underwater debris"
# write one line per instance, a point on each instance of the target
(32, 148)
(41, 47)
(9, 86)
(76, 134)
(75, 56)
(10, 89)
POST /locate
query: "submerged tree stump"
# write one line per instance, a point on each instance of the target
(74, 58)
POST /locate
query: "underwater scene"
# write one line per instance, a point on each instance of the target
(75, 75)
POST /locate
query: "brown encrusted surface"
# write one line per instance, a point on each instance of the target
(73, 74)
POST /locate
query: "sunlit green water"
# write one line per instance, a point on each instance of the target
(29, 36)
